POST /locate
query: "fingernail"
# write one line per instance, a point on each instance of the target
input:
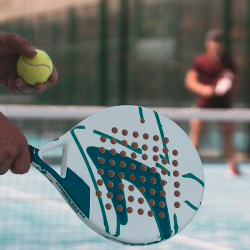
(41, 90)
(32, 51)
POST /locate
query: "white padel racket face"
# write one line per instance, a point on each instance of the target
(129, 173)
(223, 86)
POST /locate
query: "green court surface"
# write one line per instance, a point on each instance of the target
(33, 216)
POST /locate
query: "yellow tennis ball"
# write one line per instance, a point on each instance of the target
(35, 69)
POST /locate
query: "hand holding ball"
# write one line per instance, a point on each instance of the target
(35, 69)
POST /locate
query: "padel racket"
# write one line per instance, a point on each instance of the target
(224, 84)
(131, 174)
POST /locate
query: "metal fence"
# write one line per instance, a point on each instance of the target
(132, 51)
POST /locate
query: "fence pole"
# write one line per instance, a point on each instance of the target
(123, 51)
(103, 56)
(71, 59)
(227, 23)
(247, 60)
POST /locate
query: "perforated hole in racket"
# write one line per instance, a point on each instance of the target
(158, 156)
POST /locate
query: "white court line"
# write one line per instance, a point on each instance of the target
(12, 193)
(180, 239)
(199, 244)
(20, 195)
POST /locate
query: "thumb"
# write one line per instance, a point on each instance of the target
(20, 44)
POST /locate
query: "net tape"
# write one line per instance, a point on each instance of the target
(81, 112)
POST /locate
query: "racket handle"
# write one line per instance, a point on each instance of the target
(31, 150)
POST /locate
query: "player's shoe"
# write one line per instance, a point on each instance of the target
(234, 170)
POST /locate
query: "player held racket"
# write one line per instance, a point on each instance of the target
(224, 84)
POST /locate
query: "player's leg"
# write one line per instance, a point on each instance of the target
(196, 129)
(227, 129)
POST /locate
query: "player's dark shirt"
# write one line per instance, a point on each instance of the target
(208, 74)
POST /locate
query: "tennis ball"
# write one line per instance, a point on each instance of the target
(35, 69)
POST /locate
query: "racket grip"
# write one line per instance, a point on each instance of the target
(31, 150)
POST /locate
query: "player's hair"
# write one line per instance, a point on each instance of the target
(214, 35)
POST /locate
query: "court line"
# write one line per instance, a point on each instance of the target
(12, 193)
(199, 244)
(180, 239)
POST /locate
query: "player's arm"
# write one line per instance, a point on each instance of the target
(14, 151)
(192, 83)
(11, 47)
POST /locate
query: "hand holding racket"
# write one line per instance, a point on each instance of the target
(131, 174)
(14, 152)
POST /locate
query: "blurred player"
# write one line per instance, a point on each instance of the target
(212, 79)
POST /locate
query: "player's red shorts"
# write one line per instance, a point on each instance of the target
(214, 102)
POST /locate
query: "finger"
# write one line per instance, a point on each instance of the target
(12, 88)
(54, 76)
(41, 87)
(20, 44)
(21, 164)
(4, 169)
(5, 166)
(23, 87)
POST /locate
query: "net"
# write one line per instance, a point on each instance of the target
(49, 121)
(81, 112)
(33, 215)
